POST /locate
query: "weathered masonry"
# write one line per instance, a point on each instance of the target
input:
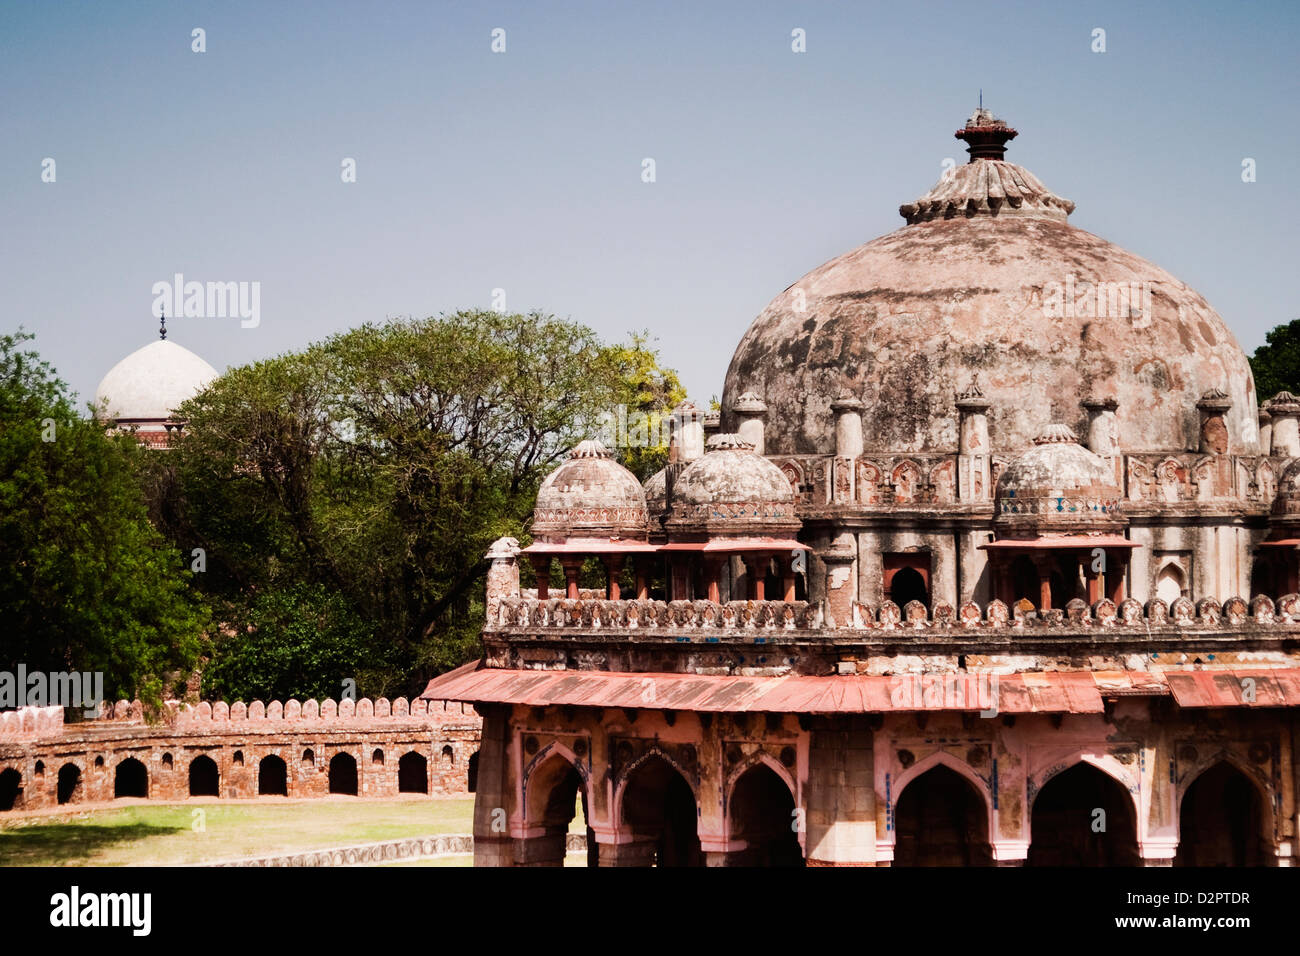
(992, 557)
(363, 748)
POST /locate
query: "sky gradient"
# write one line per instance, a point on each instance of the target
(522, 170)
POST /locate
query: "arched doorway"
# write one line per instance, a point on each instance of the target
(205, 779)
(907, 586)
(11, 788)
(761, 812)
(272, 777)
(1170, 583)
(1221, 821)
(343, 774)
(130, 779)
(659, 808)
(554, 792)
(1083, 817)
(941, 820)
(69, 789)
(412, 773)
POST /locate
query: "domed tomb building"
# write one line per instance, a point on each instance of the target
(992, 531)
(141, 392)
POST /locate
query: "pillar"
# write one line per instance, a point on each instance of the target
(502, 575)
(542, 571)
(840, 817)
(1213, 407)
(1103, 432)
(1265, 431)
(687, 441)
(713, 577)
(572, 566)
(613, 566)
(756, 574)
(1284, 408)
(494, 791)
(848, 426)
(973, 461)
(871, 570)
(841, 589)
(642, 566)
(750, 411)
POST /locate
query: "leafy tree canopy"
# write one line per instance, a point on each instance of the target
(376, 467)
(1276, 363)
(86, 583)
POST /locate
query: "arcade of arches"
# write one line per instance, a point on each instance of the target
(1037, 791)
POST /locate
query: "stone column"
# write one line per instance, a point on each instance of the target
(848, 426)
(502, 575)
(613, 567)
(841, 588)
(572, 567)
(871, 571)
(1213, 407)
(973, 453)
(1284, 408)
(542, 571)
(687, 442)
(840, 820)
(1265, 431)
(750, 410)
(1103, 433)
(494, 791)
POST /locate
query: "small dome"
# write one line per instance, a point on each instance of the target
(1058, 483)
(656, 491)
(152, 382)
(730, 489)
(590, 496)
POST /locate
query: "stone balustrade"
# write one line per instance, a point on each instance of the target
(530, 613)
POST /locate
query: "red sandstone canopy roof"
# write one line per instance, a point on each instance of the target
(1077, 692)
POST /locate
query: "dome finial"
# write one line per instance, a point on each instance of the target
(986, 136)
(162, 325)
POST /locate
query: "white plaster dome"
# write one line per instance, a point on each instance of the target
(732, 487)
(152, 382)
(1058, 482)
(590, 495)
(989, 277)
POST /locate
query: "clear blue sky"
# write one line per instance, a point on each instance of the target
(522, 170)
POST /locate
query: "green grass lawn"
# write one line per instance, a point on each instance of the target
(138, 833)
(144, 834)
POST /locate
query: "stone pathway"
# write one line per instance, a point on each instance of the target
(388, 851)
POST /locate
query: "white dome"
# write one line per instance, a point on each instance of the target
(152, 381)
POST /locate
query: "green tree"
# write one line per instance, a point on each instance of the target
(648, 390)
(1276, 363)
(380, 464)
(86, 583)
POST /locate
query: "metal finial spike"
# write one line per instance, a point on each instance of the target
(162, 326)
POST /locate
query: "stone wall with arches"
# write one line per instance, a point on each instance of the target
(657, 787)
(364, 748)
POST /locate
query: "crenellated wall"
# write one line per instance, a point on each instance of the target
(377, 748)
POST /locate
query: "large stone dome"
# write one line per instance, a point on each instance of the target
(152, 382)
(980, 280)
